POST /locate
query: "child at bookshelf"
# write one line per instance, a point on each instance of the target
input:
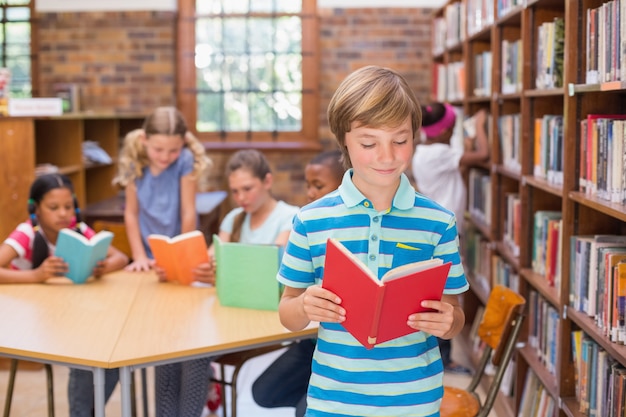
(26, 257)
(284, 383)
(375, 117)
(437, 169)
(160, 167)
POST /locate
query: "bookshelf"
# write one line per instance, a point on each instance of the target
(542, 169)
(29, 142)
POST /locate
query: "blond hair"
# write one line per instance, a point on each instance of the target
(372, 96)
(164, 121)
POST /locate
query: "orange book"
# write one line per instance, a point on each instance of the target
(179, 255)
(377, 310)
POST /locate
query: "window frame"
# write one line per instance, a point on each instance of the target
(186, 97)
(32, 21)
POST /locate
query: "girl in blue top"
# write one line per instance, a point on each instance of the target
(160, 167)
(379, 217)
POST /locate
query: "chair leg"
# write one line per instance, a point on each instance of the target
(144, 391)
(133, 399)
(50, 383)
(10, 386)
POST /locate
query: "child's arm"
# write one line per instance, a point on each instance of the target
(53, 266)
(446, 323)
(298, 307)
(131, 219)
(188, 215)
(115, 260)
(480, 152)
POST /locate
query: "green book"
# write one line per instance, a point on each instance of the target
(246, 274)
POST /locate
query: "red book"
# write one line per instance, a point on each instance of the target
(378, 310)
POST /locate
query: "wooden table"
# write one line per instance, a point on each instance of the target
(128, 321)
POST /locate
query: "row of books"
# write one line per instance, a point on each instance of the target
(598, 282)
(477, 258)
(536, 401)
(548, 148)
(550, 54)
(606, 40)
(511, 235)
(512, 60)
(480, 14)
(449, 30)
(479, 196)
(482, 74)
(602, 171)
(509, 134)
(547, 248)
(543, 321)
(600, 379)
(449, 81)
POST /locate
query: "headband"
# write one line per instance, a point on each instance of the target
(446, 122)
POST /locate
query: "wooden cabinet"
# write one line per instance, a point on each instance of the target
(28, 142)
(531, 176)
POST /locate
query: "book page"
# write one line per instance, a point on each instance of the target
(408, 269)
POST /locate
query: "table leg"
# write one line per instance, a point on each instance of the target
(98, 389)
(125, 376)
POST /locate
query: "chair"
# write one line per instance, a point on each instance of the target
(499, 330)
(237, 360)
(11, 384)
(120, 240)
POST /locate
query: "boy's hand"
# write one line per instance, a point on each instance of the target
(321, 305)
(438, 323)
(205, 273)
(52, 266)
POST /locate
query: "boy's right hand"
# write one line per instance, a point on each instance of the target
(140, 265)
(205, 273)
(322, 305)
(51, 267)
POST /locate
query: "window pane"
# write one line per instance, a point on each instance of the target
(288, 34)
(18, 32)
(235, 75)
(18, 13)
(262, 35)
(262, 6)
(262, 72)
(209, 31)
(288, 110)
(17, 49)
(288, 6)
(17, 2)
(210, 74)
(210, 107)
(236, 112)
(208, 6)
(235, 6)
(262, 114)
(289, 72)
(20, 76)
(234, 40)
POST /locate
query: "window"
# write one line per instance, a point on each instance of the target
(15, 37)
(247, 71)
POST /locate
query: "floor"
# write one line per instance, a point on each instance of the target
(29, 399)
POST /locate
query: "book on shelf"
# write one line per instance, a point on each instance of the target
(178, 256)
(69, 94)
(377, 310)
(82, 254)
(246, 274)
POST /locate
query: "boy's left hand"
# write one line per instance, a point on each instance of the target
(438, 323)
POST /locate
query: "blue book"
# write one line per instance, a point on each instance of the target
(82, 254)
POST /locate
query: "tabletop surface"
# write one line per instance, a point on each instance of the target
(128, 319)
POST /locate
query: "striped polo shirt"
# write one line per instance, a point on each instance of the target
(402, 377)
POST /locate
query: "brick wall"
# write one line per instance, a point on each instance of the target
(122, 61)
(125, 61)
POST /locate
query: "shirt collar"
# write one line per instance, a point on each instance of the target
(351, 196)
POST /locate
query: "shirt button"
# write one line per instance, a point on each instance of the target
(374, 238)
(375, 219)
(372, 257)
(366, 204)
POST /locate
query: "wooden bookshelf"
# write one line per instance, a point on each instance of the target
(573, 99)
(28, 142)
